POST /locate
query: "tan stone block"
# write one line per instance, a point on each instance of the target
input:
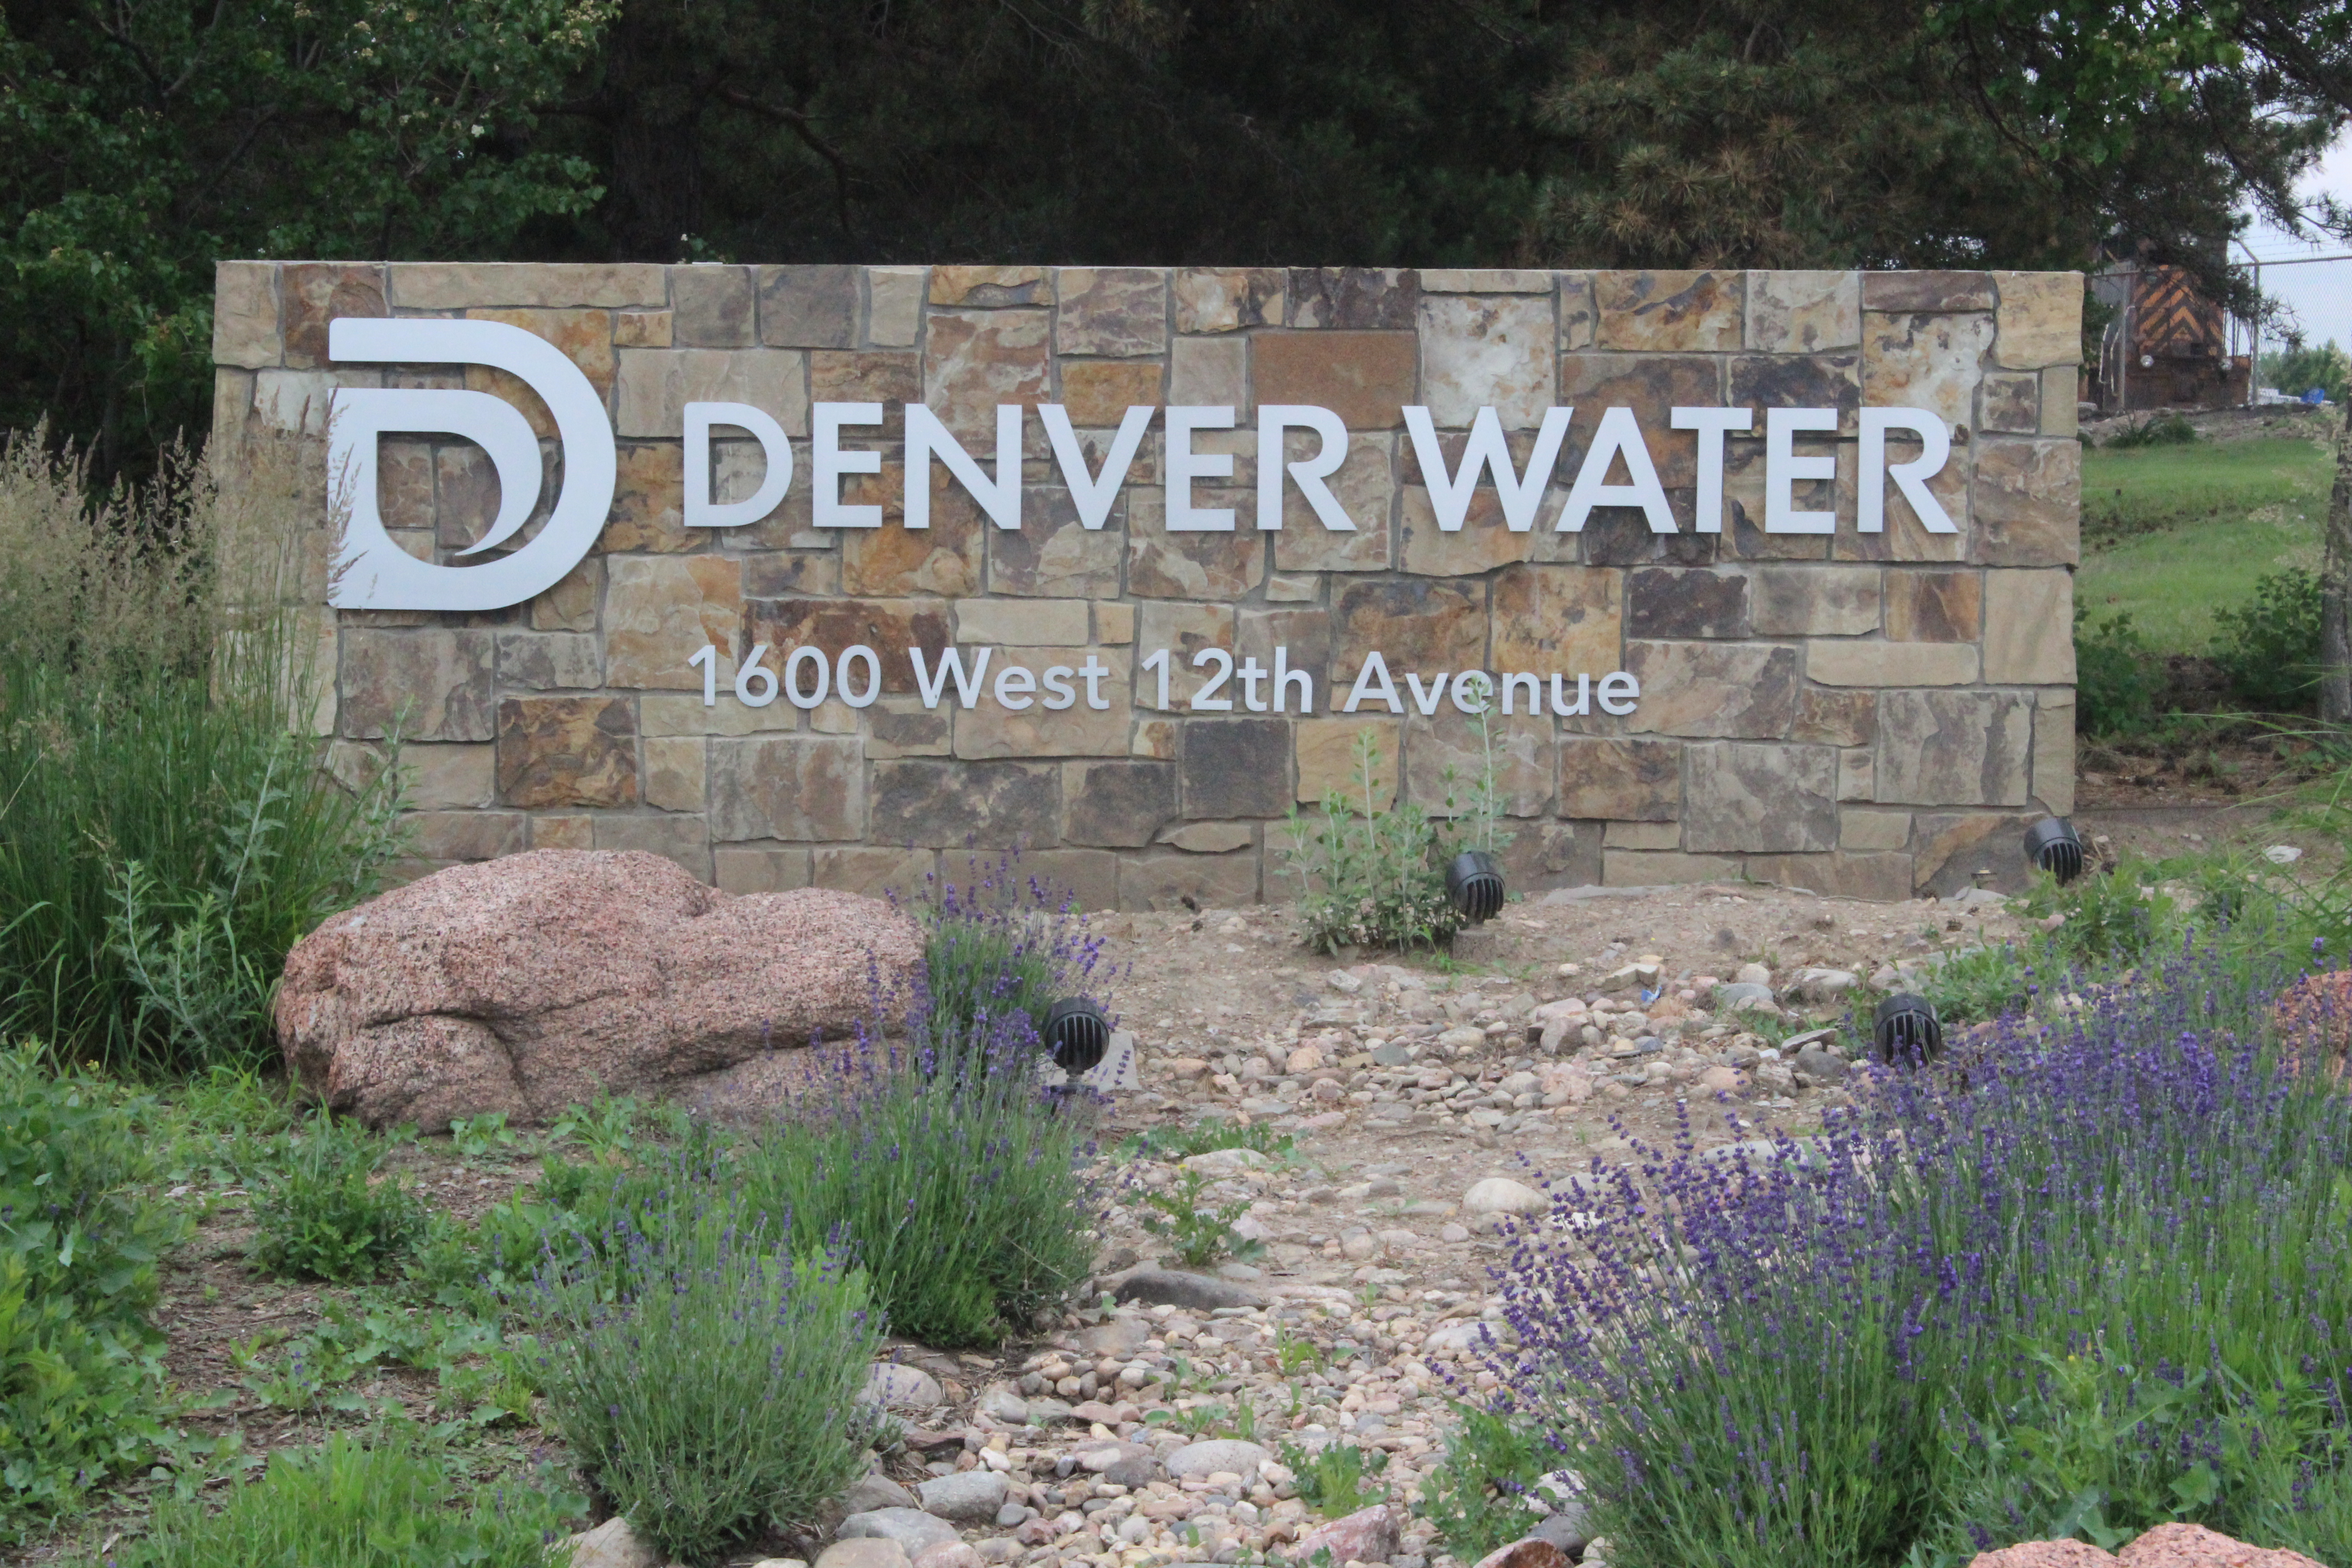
(1857, 775)
(1366, 378)
(809, 307)
(1153, 738)
(571, 605)
(1660, 867)
(1564, 619)
(1826, 717)
(974, 360)
(1211, 837)
(1619, 779)
(1183, 630)
(834, 716)
(1365, 488)
(889, 626)
(404, 486)
(1329, 762)
(562, 830)
(2010, 401)
(1519, 748)
(875, 873)
(1744, 691)
(1480, 545)
(1934, 606)
(1210, 372)
(760, 868)
(245, 314)
(1643, 836)
(1948, 850)
(1652, 387)
(675, 776)
(648, 511)
(447, 778)
(683, 839)
(1578, 315)
(298, 401)
(1100, 392)
(993, 729)
(1484, 280)
(311, 294)
(1815, 601)
(460, 285)
(2059, 414)
(2027, 502)
(2029, 634)
(1422, 624)
(2053, 753)
(894, 305)
(567, 751)
(991, 288)
(1905, 539)
(1304, 589)
(1954, 748)
(1860, 662)
(641, 330)
(1088, 878)
(786, 786)
(429, 684)
(1666, 312)
(232, 405)
(1774, 799)
(1927, 291)
(2041, 318)
(1930, 361)
(1873, 827)
(659, 610)
(1054, 555)
(1054, 623)
(1171, 879)
(1114, 623)
(1487, 351)
(583, 336)
(542, 662)
(1164, 565)
(1225, 300)
(1879, 878)
(656, 385)
(1803, 312)
(449, 836)
(1119, 313)
(680, 713)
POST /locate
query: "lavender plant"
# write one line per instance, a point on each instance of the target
(2092, 1275)
(1001, 941)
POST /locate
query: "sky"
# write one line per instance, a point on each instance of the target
(2320, 294)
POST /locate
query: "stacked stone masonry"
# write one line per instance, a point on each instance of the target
(1862, 714)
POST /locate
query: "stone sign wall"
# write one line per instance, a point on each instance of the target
(1868, 714)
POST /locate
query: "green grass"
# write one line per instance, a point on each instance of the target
(2173, 532)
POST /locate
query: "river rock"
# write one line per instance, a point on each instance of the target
(873, 1490)
(863, 1551)
(1207, 1458)
(967, 1497)
(897, 1387)
(1501, 1194)
(612, 1544)
(535, 982)
(912, 1529)
(1368, 1535)
(1200, 1292)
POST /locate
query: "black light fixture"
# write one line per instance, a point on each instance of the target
(1907, 1030)
(2051, 844)
(1077, 1032)
(1473, 886)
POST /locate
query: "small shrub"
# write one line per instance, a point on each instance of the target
(1201, 1233)
(1000, 942)
(1336, 1480)
(391, 1502)
(2268, 648)
(2165, 430)
(2107, 921)
(321, 1217)
(2117, 678)
(81, 1376)
(715, 1393)
(1478, 1497)
(1372, 874)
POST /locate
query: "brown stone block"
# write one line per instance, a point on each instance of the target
(951, 805)
(1763, 381)
(1578, 315)
(792, 574)
(1828, 717)
(1330, 761)
(1954, 748)
(1520, 748)
(1934, 606)
(743, 869)
(1948, 849)
(1055, 555)
(2027, 502)
(1482, 543)
(1905, 538)
(810, 307)
(1770, 799)
(659, 610)
(1234, 767)
(1183, 630)
(903, 727)
(787, 786)
(1927, 291)
(991, 288)
(1734, 690)
(1357, 298)
(1419, 623)
(313, 293)
(2009, 402)
(1803, 312)
(683, 839)
(1622, 536)
(567, 751)
(891, 377)
(404, 486)
(893, 560)
(711, 307)
(1119, 313)
(1542, 856)
(1557, 618)
(1882, 879)
(1116, 804)
(425, 685)
(1487, 351)
(1171, 879)
(974, 360)
(641, 329)
(648, 512)
(1930, 361)
(571, 605)
(1664, 867)
(583, 336)
(993, 730)
(1303, 638)
(1653, 386)
(245, 314)
(1366, 378)
(1100, 392)
(458, 285)
(1365, 488)
(889, 626)
(542, 662)
(2041, 318)
(1815, 601)
(1667, 602)
(677, 774)
(1619, 779)
(1088, 878)
(452, 835)
(1225, 300)
(1669, 312)
(1164, 565)
(562, 830)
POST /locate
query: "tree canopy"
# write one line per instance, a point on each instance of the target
(140, 140)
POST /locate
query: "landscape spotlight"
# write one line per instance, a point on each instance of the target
(1905, 1030)
(1474, 885)
(2051, 844)
(1078, 1032)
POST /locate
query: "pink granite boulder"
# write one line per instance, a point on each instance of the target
(529, 983)
(2166, 1546)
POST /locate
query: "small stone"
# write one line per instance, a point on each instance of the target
(968, 1497)
(2282, 854)
(1009, 1515)
(875, 1490)
(1368, 1535)
(1816, 1066)
(869, 1552)
(1003, 1405)
(1461, 1039)
(1530, 1552)
(1501, 1194)
(1825, 984)
(1201, 1292)
(1343, 981)
(1304, 1060)
(1392, 1055)
(948, 1554)
(1753, 975)
(1047, 1412)
(897, 1387)
(1227, 1161)
(612, 1545)
(1207, 1458)
(1744, 997)
(1452, 1232)
(911, 1529)
(780, 1562)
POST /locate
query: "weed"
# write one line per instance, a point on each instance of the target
(321, 1217)
(1478, 1497)
(2162, 430)
(1337, 1479)
(1174, 1143)
(1372, 872)
(1296, 1354)
(2269, 647)
(482, 1137)
(1201, 1234)
(2118, 679)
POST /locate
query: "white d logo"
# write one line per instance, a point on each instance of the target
(372, 572)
